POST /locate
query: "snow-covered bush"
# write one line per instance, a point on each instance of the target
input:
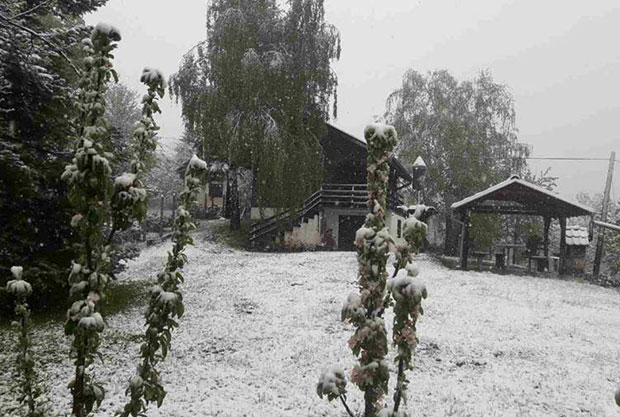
(104, 205)
(89, 183)
(29, 389)
(166, 302)
(129, 200)
(332, 383)
(365, 310)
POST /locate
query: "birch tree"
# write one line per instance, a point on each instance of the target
(258, 91)
(464, 130)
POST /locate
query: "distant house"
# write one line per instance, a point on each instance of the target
(213, 195)
(330, 217)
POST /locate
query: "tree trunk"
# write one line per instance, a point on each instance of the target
(78, 386)
(227, 204)
(235, 210)
(369, 403)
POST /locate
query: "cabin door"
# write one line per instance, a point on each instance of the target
(347, 226)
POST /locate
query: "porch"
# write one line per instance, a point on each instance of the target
(338, 199)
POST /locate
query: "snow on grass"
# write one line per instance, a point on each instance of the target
(259, 329)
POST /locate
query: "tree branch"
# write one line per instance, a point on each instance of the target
(27, 12)
(42, 39)
(346, 407)
(111, 235)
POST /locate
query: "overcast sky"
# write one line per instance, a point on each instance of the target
(560, 59)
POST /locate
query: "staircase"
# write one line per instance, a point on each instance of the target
(329, 195)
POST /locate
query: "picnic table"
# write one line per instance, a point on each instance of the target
(479, 256)
(505, 248)
(543, 262)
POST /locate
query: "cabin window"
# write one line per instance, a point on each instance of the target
(399, 227)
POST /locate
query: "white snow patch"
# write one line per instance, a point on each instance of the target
(152, 74)
(379, 129)
(17, 271)
(125, 180)
(107, 30)
(197, 162)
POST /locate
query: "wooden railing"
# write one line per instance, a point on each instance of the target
(329, 195)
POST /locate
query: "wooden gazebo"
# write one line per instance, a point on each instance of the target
(516, 196)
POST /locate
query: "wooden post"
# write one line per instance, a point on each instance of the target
(461, 240)
(515, 236)
(601, 232)
(464, 239)
(205, 193)
(562, 267)
(174, 207)
(161, 215)
(547, 253)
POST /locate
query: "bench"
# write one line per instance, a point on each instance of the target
(542, 262)
(479, 256)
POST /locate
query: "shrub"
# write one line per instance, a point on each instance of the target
(29, 389)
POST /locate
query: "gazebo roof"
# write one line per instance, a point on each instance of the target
(516, 196)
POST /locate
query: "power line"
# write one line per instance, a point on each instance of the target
(549, 158)
(545, 158)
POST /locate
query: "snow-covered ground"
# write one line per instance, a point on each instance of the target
(259, 328)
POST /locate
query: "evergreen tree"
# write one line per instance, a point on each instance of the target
(38, 43)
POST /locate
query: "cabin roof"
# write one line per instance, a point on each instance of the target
(334, 133)
(517, 196)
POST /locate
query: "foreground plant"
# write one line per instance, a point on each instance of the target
(166, 302)
(365, 310)
(129, 200)
(27, 382)
(88, 178)
(407, 298)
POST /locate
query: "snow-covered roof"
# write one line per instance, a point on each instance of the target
(541, 199)
(577, 236)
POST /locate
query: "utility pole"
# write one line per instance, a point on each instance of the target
(601, 231)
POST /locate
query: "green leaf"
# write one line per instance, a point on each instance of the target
(70, 327)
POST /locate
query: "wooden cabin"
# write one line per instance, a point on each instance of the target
(329, 218)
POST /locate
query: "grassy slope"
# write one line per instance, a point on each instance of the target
(259, 327)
